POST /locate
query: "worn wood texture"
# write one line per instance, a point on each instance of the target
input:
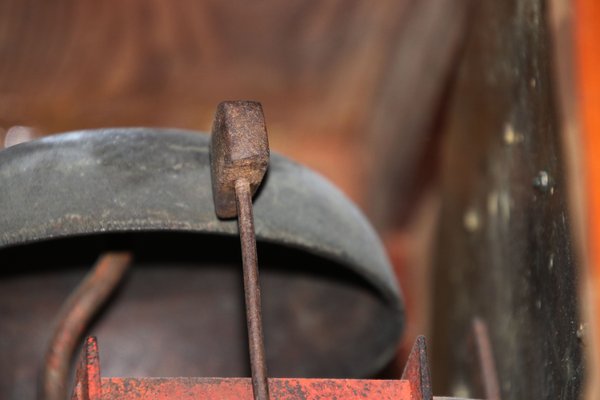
(405, 114)
(341, 80)
(315, 66)
(505, 252)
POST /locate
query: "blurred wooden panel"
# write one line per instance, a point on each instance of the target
(314, 65)
(319, 69)
(97, 63)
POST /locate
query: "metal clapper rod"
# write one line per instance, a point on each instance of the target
(239, 159)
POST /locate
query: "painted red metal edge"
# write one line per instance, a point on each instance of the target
(88, 382)
(241, 389)
(90, 386)
(587, 72)
(416, 372)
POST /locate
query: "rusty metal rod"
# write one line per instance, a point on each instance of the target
(487, 364)
(258, 364)
(75, 315)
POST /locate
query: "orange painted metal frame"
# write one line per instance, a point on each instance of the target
(587, 71)
(414, 385)
(241, 388)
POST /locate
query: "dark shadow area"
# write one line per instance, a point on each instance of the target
(180, 309)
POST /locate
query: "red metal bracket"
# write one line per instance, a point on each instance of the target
(416, 371)
(414, 385)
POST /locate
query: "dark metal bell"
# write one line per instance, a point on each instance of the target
(331, 305)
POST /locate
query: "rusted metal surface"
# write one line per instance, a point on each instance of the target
(486, 372)
(239, 149)
(258, 361)
(88, 383)
(417, 372)
(239, 156)
(240, 388)
(73, 319)
(91, 386)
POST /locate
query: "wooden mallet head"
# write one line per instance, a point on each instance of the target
(239, 150)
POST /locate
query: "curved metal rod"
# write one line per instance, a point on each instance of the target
(75, 315)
